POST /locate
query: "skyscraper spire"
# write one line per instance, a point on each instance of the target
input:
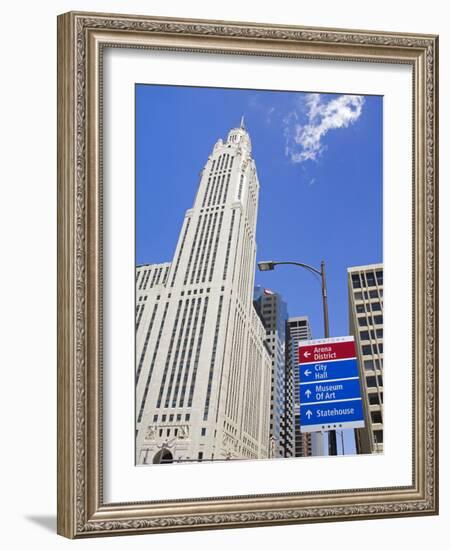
(242, 122)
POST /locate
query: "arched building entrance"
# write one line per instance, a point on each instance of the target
(164, 456)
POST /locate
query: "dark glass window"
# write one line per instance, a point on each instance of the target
(356, 281)
(370, 279)
(368, 365)
(378, 436)
(374, 399)
(367, 350)
(376, 417)
(371, 382)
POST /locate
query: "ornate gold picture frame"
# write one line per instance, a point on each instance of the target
(82, 41)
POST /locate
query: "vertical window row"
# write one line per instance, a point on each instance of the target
(180, 338)
(240, 358)
(248, 417)
(227, 253)
(166, 272)
(158, 277)
(182, 365)
(193, 247)
(256, 380)
(147, 338)
(152, 364)
(208, 183)
(213, 360)
(142, 273)
(211, 185)
(216, 245)
(214, 187)
(180, 252)
(218, 190)
(146, 279)
(207, 188)
(208, 250)
(241, 184)
(169, 354)
(243, 261)
(200, 252)
(233, 375)
(138, 322)
(237, 246)
(188, 360)
(197, 353)
(152, 284)
(225, 193)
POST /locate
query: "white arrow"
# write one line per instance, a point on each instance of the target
(308, 414)
(307, 354)
(308, 393)
(307, 372)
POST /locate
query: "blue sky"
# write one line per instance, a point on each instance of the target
(319, 162)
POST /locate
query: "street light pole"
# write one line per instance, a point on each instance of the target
(270, 266)
(332, 440)
(326, 322)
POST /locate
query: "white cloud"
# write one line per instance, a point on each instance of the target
(304, 140)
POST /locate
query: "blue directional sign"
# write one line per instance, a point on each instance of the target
(329, 416)
(330, 391)
(329, 370)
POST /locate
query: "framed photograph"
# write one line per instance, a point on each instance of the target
(247, 274)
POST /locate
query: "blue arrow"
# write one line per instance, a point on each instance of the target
(328, 370)
(329, 391)
(332, 413)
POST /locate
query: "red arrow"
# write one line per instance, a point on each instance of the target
(326, 352)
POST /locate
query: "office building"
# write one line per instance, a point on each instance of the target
(365, 288)
(299, 329)
(273, 312)
(203, 373)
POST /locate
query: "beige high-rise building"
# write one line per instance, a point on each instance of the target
(203, 373)
(365, 287)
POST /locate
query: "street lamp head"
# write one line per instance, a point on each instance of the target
(266, 266)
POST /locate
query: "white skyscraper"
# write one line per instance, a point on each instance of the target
(203, 374)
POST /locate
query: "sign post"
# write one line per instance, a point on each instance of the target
(330, 391)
